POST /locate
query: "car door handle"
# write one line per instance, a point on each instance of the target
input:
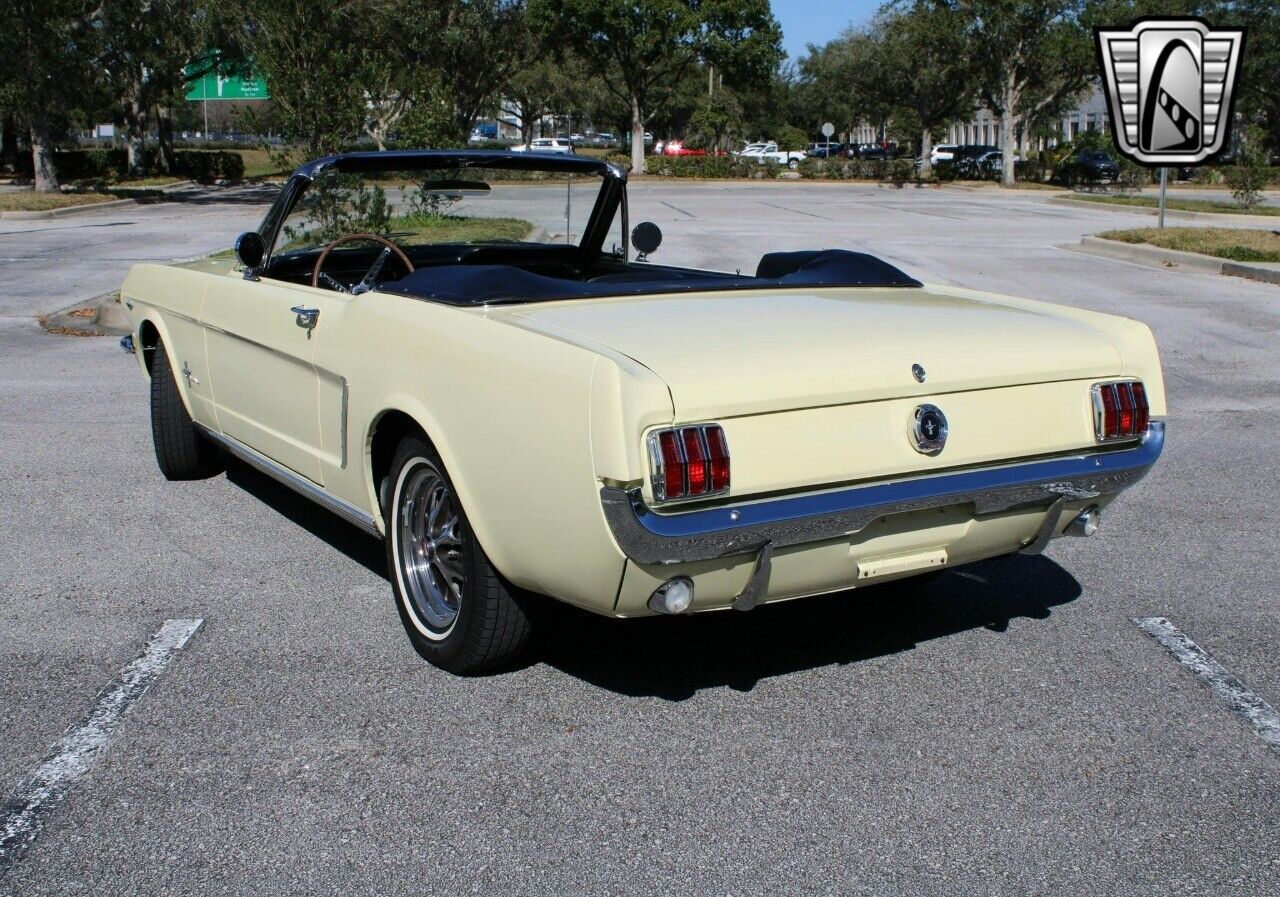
(305, 317)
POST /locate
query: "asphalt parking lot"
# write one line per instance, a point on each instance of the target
(1005, 729)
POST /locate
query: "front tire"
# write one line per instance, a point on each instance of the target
(458, 612)
(182, 451)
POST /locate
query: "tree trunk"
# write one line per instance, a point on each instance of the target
(42, 157)
(637, 136)
(1008, 153)
(134, 124)
(164, 131)
(926, 147)
(9, 142)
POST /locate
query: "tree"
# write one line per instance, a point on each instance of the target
(1249, 176)
(534, 92)
(306, 53)
(1259, 89)
(43, 48)
(142, 47)
(642, 51)
(482, 44)
(1027, 55)
(930, 74)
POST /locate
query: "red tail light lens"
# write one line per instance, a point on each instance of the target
(672, 467)
(689, 462)
(695, 461)
(719, 458)
(1120, 410)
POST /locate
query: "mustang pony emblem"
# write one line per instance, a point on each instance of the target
(929, 429)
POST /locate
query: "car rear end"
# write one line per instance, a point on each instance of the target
(825, 439)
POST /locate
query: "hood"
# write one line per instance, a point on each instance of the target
(736, 353)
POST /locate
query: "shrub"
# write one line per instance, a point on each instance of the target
(711, 167)
(1249, 176)
(209, 165)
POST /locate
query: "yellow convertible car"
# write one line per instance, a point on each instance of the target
(472, 356)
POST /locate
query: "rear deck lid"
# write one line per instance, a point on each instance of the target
(747, 352)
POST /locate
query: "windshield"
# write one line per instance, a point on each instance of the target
(417, 208)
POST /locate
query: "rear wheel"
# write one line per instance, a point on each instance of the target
(182, 451)
(458, 612)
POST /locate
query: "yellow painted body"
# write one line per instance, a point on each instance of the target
(532, 407)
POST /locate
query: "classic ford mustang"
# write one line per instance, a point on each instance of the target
(459, 353)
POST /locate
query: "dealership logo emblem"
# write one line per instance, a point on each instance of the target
(929, 429)
(1170, 84)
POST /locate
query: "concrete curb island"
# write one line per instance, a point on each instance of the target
(1156, 257)
(66, 210)
(1177, 214)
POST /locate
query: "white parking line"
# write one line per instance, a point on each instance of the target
(23, 814)
(1220, 680)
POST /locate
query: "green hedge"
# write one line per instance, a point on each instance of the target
(711, 167)
(210, 165)
(92, 164)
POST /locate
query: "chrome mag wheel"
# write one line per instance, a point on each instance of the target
(429, 547)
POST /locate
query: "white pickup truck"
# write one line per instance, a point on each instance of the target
(761, 152)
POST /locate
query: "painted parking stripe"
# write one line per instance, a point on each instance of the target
(1221, 681)
(23, 814)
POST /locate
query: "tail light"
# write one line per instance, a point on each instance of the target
(689, 462)
(1120, 410)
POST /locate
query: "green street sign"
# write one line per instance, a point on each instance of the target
(214, 86)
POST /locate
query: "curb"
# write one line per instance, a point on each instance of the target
(1176, 214)
(1156, 257)
(67, 210)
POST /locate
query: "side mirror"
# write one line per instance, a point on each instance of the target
(250, 249)
(646, 237)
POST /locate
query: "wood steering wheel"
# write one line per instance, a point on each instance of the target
(374, 270)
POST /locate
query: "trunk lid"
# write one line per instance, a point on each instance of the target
(742, 353)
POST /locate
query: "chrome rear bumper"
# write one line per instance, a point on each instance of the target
(648, 537)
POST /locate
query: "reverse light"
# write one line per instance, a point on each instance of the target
(1120, 410)
(672, 597)
(689, 462)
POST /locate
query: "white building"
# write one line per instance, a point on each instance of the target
(983, 128)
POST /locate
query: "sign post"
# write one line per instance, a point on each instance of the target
(1164, 182)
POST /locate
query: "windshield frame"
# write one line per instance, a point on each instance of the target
(612, 192)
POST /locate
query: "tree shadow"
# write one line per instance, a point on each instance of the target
(674, 658)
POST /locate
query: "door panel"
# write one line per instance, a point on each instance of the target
(264, 386)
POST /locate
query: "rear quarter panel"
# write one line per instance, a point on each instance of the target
(511, 413)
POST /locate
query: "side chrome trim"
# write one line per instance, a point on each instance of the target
(294, 481)
(342, 424)
(727, 530)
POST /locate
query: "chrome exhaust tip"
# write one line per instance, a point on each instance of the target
(1086, 523)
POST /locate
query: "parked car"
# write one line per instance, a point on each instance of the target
(561, 145)
(518, 419)
(677, 148)
(942, 152)
(761, 152)
(827, 150)
(1093, 167)
(986, 166)
(873, 152)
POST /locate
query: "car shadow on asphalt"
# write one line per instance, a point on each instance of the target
(346, 538)
(674, 658)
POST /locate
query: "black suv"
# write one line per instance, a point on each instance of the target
(1091, 167)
